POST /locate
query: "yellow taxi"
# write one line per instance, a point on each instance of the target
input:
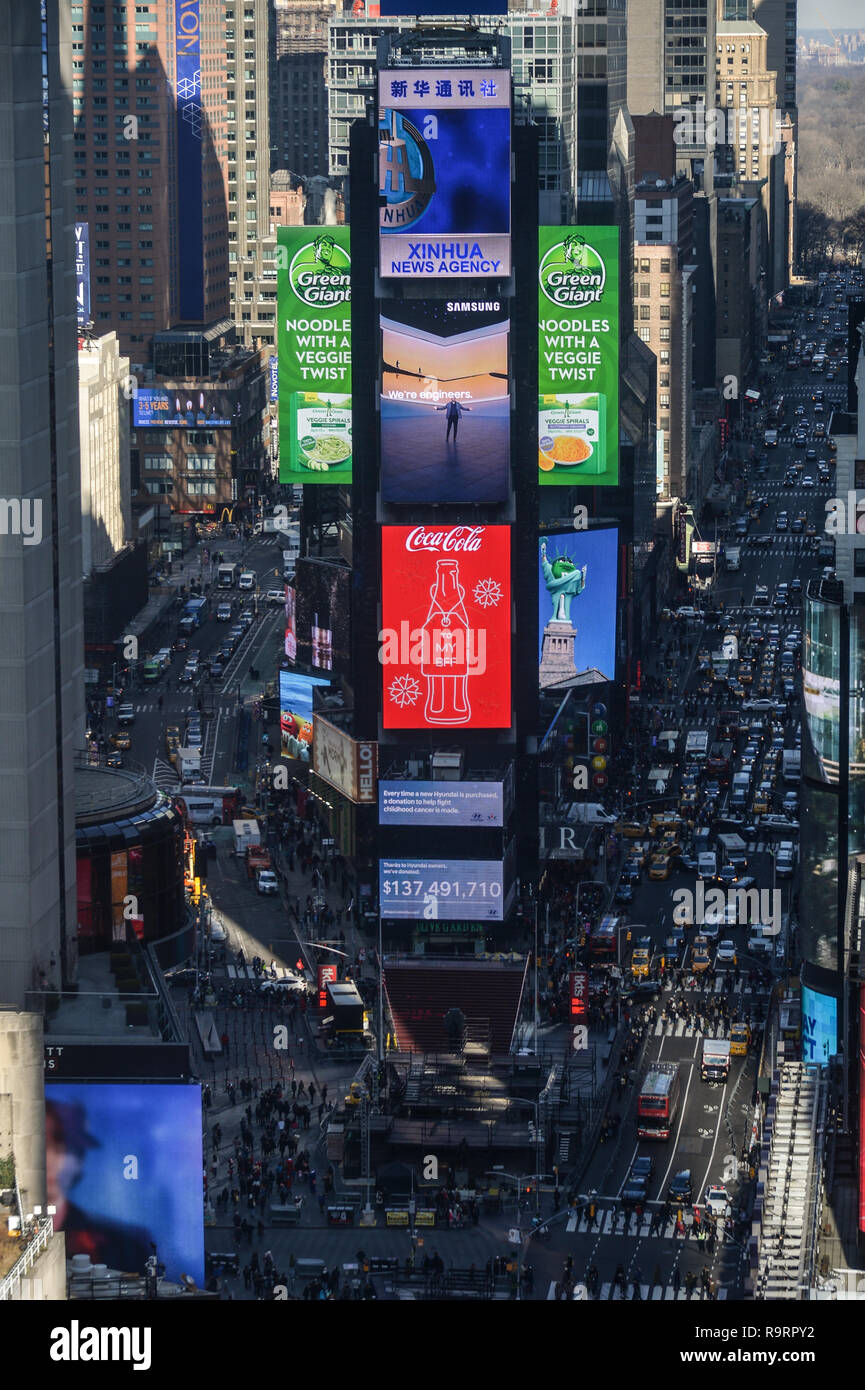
(663, 821)
(761, 803)
(632, 829)
(746, 673)
(660, 866)
(700, 960)
(640, 963)
(121, 739)
(740, 1039)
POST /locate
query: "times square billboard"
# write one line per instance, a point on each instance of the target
(577, 593)
(448, 889)
(444, 173)
(445, 400)
(117, 1221)
(578, 356)
(314, 354)
(445, 643)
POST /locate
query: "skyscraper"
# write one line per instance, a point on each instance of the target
(41, 642)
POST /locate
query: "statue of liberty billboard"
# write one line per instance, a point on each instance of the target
(564, 582)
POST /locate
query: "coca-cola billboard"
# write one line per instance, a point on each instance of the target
(445, 644)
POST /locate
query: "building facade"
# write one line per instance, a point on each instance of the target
(41, 640)
(103, 413)
(544, 72)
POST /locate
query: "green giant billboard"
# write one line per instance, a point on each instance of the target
(314, 345)
(578, 356)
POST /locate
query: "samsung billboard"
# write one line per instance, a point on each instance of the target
(448, 889)
(445, 173)
(445, 400)
(476, 804)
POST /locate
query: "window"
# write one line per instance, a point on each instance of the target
(665, 311)
(664, 355)
(158, 463)
(645, 289)
(665, 335)
(665, 289)
(645, 265)
(645, 311)
(664, 401)
(859, 563)
(645, 334)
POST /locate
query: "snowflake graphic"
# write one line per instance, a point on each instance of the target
(404, 690)
(487, 593)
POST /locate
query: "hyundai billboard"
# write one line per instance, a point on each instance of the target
(314, 354)
(578, 356)
(577, 586)
(445, 643)
(445, 401)
(444, 173)
(448, 889)
(440, 803)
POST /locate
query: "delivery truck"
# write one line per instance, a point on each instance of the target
(715, 1062)
(247, 833)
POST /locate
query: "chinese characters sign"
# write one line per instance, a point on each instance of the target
(445, 644)
(314, 339)
(445, 172)
(578, 356)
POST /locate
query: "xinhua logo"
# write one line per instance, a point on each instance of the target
(573, 272)
(320, 273)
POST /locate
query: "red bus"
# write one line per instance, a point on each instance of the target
(658, 1102)
(602, 942)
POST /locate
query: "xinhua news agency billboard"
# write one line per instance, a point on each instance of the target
(444, 173)
(314, 353)
(578, 356)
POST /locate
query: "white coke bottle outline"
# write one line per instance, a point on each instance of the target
(447, 699)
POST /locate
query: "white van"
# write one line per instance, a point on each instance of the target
(247, 580)
(707, 864)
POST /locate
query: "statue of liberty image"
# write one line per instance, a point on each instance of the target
(564, 582)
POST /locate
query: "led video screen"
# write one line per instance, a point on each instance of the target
(445, 401)
(578, 356)
(449, 889)
(295, 713)
(314, 346)
(123, 1168)
(445, 173)
(577, 585)
(445, 644)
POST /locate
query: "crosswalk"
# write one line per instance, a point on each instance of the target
(611, 1221)
(649, 1293)
(166, 778)
(179, 711)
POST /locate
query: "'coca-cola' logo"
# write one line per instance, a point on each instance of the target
(454, 539)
